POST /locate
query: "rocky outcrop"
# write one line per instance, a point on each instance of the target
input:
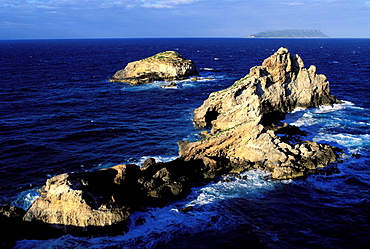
(244, 119)
(168, 65)
(86, 201)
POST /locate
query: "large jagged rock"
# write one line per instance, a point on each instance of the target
(168, 65)
(243, 115)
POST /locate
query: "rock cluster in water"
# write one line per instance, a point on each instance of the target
(168, 65)
(246, 133)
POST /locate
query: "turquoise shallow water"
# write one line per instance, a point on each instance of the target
(59, 113)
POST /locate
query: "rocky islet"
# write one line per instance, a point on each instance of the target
(245, 133)
(168, 65)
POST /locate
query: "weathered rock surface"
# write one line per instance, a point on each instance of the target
(168, 65)
(243, 117)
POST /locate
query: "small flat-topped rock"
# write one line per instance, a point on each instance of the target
(168, 65)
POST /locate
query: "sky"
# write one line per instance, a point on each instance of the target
(60, 19)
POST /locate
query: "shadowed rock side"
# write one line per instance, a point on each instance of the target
(243, 119)
(168, 65)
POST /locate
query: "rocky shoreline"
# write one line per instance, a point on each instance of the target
(245, 133)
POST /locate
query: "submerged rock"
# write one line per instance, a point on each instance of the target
(168, 65)
(242, 115)
(172, 85)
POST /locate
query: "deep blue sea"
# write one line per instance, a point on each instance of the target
(59, 113)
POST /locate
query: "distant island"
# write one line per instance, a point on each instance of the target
(290, 33)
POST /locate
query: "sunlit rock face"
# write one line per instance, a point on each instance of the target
(168, 65)
(244, 119)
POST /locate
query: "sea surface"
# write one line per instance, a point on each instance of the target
(59, 113)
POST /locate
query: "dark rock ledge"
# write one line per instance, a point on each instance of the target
(244, 121)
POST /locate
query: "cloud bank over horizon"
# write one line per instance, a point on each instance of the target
(93, 3)
(32, 19)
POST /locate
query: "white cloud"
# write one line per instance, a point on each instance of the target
(94, 3)
(292, 3)
(165, 3)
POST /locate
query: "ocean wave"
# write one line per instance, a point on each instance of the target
(353, 142)
(158, 159)
(335, 107)
(309, 117)
(208, 69)
(26, 198)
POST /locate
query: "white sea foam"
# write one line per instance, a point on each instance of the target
(338, 124)
(180, 83)
(354, 142)
(26, 198)
(306, 120)
(334, 107)
(255, 184)
(158, 159)
(298, 109)
(308, 117)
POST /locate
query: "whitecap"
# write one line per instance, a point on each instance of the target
(331, 108)
(158, 159)
(26, 198)
(353, 142)
(308, 119)
(298, 109)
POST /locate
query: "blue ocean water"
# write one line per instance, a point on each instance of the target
(60, 113)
